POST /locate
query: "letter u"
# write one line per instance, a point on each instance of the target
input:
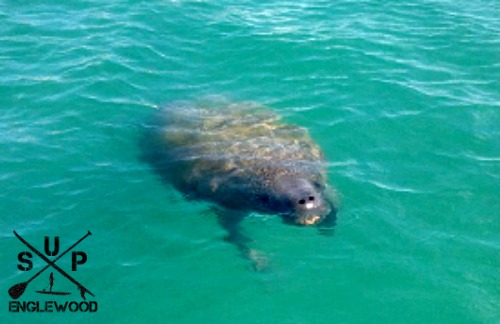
(56, 246)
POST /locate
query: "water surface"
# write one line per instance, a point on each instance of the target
(403, 98)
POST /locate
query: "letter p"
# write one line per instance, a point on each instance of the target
(77, 258)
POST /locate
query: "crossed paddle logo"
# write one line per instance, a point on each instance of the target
(18, 289)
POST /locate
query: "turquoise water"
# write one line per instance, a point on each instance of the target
(403, 98)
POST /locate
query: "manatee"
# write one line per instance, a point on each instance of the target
(243, 158)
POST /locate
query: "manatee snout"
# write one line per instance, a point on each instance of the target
(306, 201)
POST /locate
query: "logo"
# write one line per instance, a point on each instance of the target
(78, 258)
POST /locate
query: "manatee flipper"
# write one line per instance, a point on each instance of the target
(230, 220)
(327, 226)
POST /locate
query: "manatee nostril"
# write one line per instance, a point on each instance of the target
(302, 201)
(311, 198)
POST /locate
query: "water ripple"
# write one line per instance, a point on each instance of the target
(402, 97)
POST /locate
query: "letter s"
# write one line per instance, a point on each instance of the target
(21, 257)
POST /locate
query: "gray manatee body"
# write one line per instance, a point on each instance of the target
(244, 158)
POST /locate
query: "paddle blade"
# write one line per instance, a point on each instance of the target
(17, 290)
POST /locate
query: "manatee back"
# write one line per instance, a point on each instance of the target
(225, 151)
